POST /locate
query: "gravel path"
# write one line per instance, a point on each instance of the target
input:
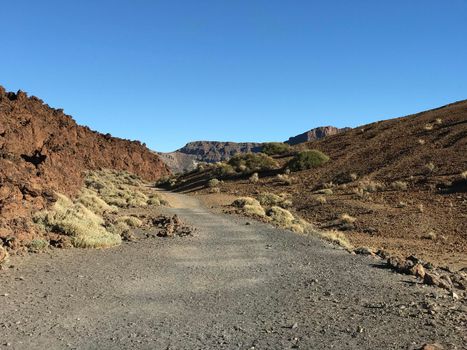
(231, 286)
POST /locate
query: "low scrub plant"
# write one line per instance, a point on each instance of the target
(285, 179)
(131, 221)
(336, 237)
(254, 178)
(307, 160)
(213, 183)
(399, 185)
(251, 162)
(249, 206)
(285, 219)
(85, 227)
(268, 199)
(275, 148)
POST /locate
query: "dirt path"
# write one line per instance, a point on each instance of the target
(231, 286)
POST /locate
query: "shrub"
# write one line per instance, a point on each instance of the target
(270, 199)
(249, 206)
(326, 191)
(428, 127)
(38, 244)
(284, 179)
(90, 200)
(285, 219)
(4, 257)
(464, 175)
(399, 185)
(224, 169)
(213, 183)
(430, 166)
(337, 238)
(131, 221)
(85, 228)
(273, 148)
(254, 178)
(347, 219)
(250, 162)
(307, 160)
(371, 186)
(321, 200)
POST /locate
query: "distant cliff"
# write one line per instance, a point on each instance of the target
(186, 158)
(315, 134)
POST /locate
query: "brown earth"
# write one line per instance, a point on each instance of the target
(425, 152)
(43, 150)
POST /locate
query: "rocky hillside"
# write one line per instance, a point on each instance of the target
(43, 150)
(186, 158)
(315, 134)
(397, 185)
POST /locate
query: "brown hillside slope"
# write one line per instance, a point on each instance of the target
(42, 150)
(402, 180)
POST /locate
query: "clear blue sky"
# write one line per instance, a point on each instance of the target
(169, 72)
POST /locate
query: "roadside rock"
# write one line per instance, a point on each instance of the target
(440, 281)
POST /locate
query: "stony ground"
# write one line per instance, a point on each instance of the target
(233, 285)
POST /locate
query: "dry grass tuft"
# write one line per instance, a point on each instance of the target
(421, 141)
(4, 257)
(285, 219)
(347, 219)
(249, 206)
(428, 127)
(254, 178)
(430, 166)
(268, 199)
(399, 185)
(325, 191)
(320, 200)
(464, 175)
(131, 221)
(85, 228)
(336, 237)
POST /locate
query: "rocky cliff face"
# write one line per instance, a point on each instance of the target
(315, 134)
(42, 150)
(186, 158)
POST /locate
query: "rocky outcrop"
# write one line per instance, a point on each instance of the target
(186, 158)
(315, 134)
(43, 150)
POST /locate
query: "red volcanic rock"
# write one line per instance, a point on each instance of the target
(43, 150)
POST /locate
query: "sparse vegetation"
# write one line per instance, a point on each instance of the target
(399, 185)
(347, 219)
(430, 166)
(4, 257)
(251, 162)
(371, 186)
(336, 237)
(285, 179)
(254, 178)
(325, 191)
(285, 219)
(421, 141)
(320, 200)
(131, 221)
(464, 175)
(276, 148)
(268, 199)
(249, 206)
(213, 183)
(428, 127)
(38, 244)
(85, 228)
(307, 160)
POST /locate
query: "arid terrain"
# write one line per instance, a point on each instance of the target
(354, 240)
(400, 183)
(232, 284)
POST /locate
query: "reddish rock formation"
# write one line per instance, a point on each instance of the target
(315, 134)
(42, 150)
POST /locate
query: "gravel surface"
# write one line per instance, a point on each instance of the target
(235, 284)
